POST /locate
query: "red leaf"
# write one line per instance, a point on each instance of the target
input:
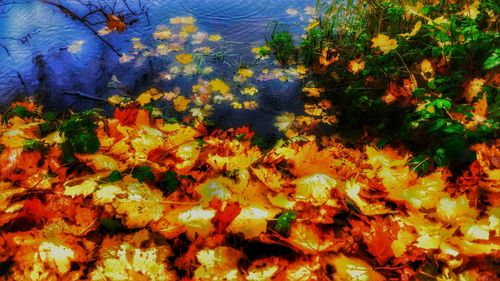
(225, 214)
(127, 115)
(378, 238)
(33, 211)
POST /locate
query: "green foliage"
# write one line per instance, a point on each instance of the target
(19, 110)
(114, 176)
(169, 183)
(33, 145)
(281, 45)
(284, 222)
(80, 135)
(143, 174)
(111, 225)
(432, 119)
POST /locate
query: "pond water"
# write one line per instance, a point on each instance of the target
(43, 51)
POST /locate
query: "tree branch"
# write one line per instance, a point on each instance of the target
(73, 15)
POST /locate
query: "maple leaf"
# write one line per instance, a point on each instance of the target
(384, 43)
(377, 237)
(307, 238)
(315, 189)
(127, 115)
(309, 160)
(124, 258)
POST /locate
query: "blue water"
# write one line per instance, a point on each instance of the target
(34, 40)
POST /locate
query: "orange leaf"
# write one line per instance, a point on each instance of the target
(116, 23)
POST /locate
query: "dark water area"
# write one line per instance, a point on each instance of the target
(45, 53)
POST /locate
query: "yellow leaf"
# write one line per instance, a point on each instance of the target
(219, 86)
(181, 103)
(251, 221)
(60, 255)
(188, 153)
(312, 25)
(315, 189)
(162, 33)
(140, 206)
(245, 72)
(384, 43)
(427, 70)
(413, 32)
(352, 189)
(404, 239)
(182, 20)
(214, 188)
(214, 37)
(356, 65)
(305, 237)
(454, 210)
(86, 188)
(474, 87)
(249, 91)
(184, 58)
(136, 44)
(144, 99)
(270, 177)
(220, 263)
(471, 10)
(353, 269)
(115, 100)
(197, 221)
(189, 28)
(236, 105)
(313, 92)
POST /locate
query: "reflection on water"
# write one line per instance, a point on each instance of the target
(45, 53)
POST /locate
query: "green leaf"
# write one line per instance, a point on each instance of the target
(21, 111)
(111, 225)
(86, 143)
(284, 222)
(440, 157)
(143, 174)
(492, 61)
(31, 145)
(442, 103)
(419, 163)
(454, 128)
(169, 182)
(114, 176)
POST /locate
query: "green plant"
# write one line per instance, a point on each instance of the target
(427, 78)
(80, 136)
(281, 45)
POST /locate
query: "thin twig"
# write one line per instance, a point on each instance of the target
(83, 21)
